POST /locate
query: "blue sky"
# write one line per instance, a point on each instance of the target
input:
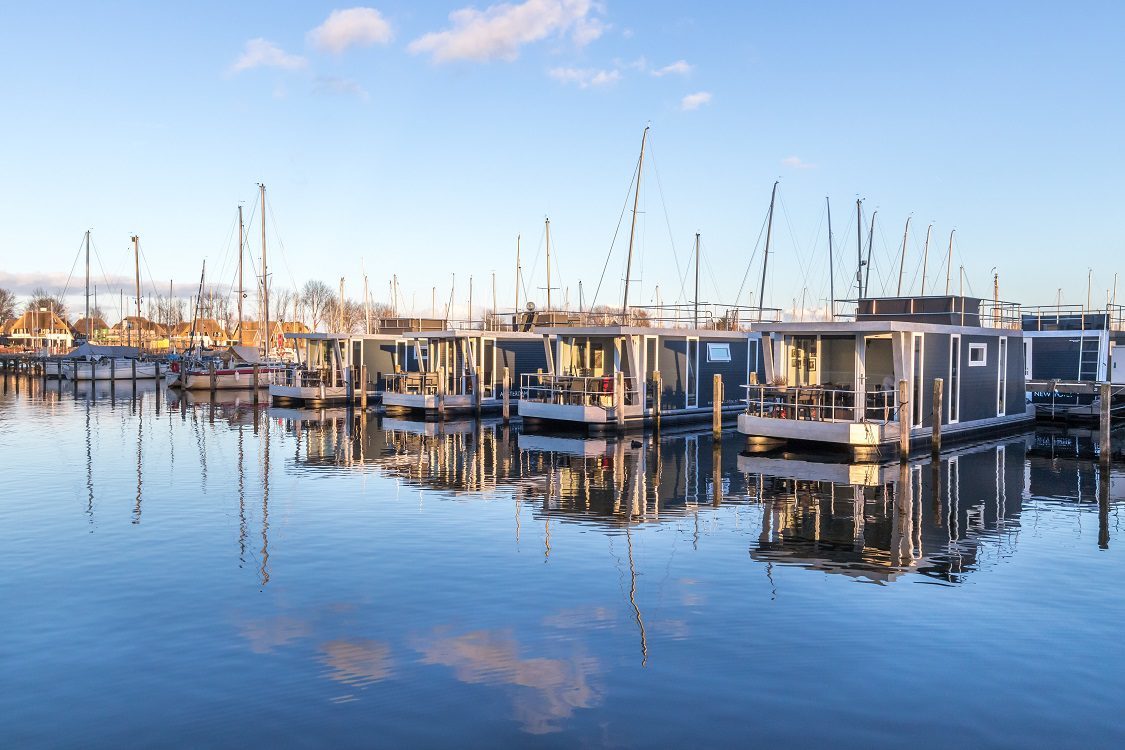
(420, 143)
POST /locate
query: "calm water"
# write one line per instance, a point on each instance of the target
(180, 574)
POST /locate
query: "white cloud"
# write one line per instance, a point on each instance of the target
(680, 67)
(353, 27)
(498, 31)
(585, 77)
(260, 53)
(340, 86)
(796, 163)
(695, 101)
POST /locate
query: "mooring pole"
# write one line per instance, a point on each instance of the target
(507, 396)
(717, 406)
(1103, 436)
(619, 393)
(657, 399)
(363, 386)
(904, 414)
(935, 441)
(254, 384)
(478, 388)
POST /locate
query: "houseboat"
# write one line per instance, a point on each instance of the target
(603, 378)
(238, 368)
(836, 383)
(441, 373)
(322, 374)
(1068, 351)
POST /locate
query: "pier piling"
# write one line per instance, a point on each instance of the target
(717, 406)
(478, 390)
(935, 440)
(507, 395)
(657, 398)
(619, 394)
(1105, 448)
(904, 414)
(213, 378)
(254, 384)
(133, 367)
(363, 386)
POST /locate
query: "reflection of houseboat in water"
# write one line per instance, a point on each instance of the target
(837, 383)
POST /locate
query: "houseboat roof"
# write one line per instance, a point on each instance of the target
(318, 336)
(878, 326)
(618, 330)
(474, 333)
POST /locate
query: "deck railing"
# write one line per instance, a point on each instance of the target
(573, 390)
(821, 404)
(428, 384)
(1073, 318)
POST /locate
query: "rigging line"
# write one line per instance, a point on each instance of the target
(524, 275)
(226, 251)
(281, 243)
(957, 247)
(750, 263)
(886, 276)
(620, 218)
(664, 205)
(98, 257)
(77, 255)
(796, 246)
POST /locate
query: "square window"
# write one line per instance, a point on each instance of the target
(978, 355)
(718, 352)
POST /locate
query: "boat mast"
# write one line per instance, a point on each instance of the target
(902, 258)
(766, 260)
(925, 255)
(949, 263)
(240, 273)
(696, 317)
(195, 311)
(366, 304)
(831, 273)
(517, 274)
(265, 278)
(137, 272)
(340, 308)
(87, 284)
(633, 230)
(870, 241)
(547, 225)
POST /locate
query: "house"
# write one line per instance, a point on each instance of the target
(91, 329)
(205, 332)
(136, 330)
(39, 329)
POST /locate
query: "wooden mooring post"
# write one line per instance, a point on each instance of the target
(619, 398)
(935, 440)
(1105, 447)
(254, 384)
(363, 386)
(441, 393)
(133, 367)
(478, 390)
(213, 378)
(657, 399)
(717, 406)
(904, 414)
(507, 413)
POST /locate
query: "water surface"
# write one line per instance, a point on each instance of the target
(179, 573)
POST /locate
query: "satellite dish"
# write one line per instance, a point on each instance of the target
(531, 307)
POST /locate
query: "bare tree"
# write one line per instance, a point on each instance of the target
(7, 304)
(316, 297)
(40, 298)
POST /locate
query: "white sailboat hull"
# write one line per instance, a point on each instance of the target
(121, 369)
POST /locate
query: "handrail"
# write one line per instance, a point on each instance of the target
(576, 390)
(821, 404)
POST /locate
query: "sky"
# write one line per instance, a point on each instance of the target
(419, 139)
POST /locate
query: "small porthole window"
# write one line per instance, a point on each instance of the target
(978, 355)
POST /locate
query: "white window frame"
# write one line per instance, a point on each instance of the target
(1002, 353)
(978, 347)
(917, 387)
(715, 349)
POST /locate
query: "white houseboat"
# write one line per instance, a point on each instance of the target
(322, 374)
(836, 383)
(604, 378)
(459, 371)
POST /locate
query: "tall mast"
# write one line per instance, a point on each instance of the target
(87, 284)
(925, 256)
(517, 274)
(548, 231)
(902, 258)
(696, 315)
(859, 245)
(265, 278)
(195, 310)
(766, 259)
(366, 304)
(340, 308)
(470, 300)
(633, 229)
(949, 263)
(870, 241)
(494, 298)
(831, 273)
(137, 271)
(240, 241)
